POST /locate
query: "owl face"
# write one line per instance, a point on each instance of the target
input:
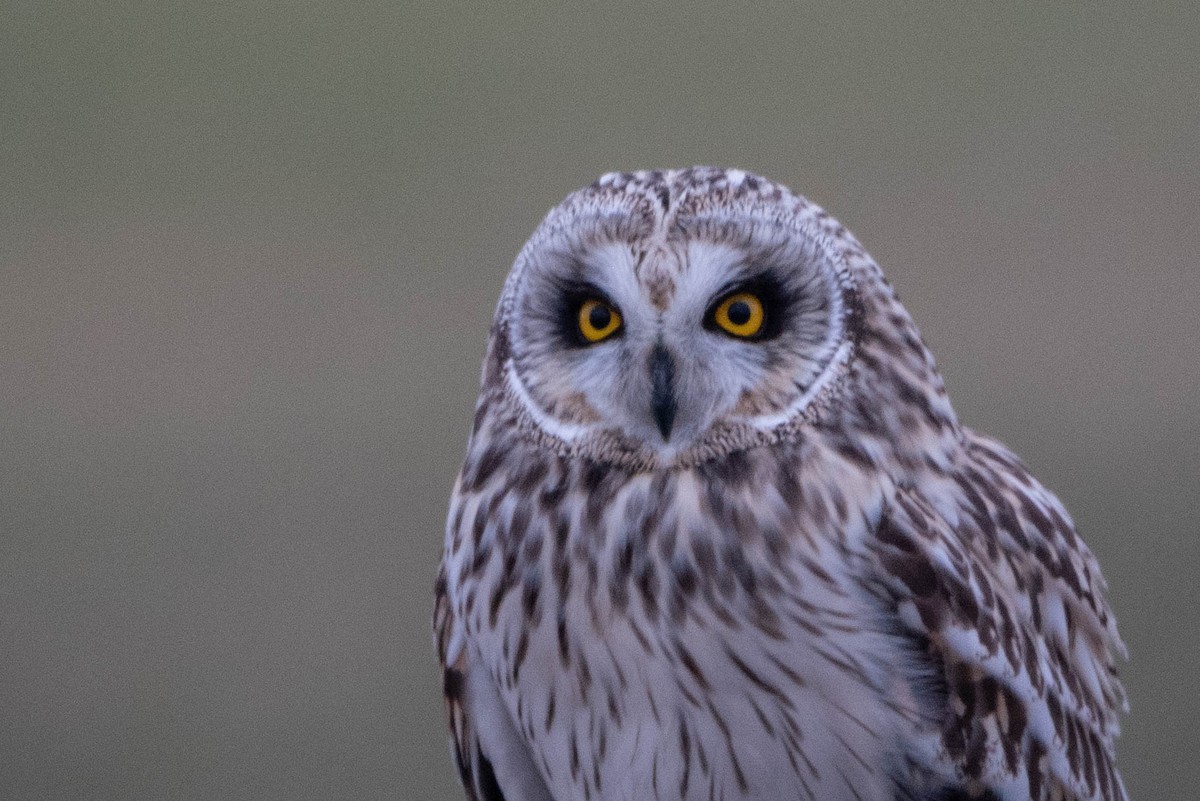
(656, 322)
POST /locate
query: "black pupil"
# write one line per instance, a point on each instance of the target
(599, 317)
(739, 312)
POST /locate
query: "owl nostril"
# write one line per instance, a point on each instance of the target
(662, 380)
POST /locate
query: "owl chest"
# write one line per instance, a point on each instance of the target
(656, 654)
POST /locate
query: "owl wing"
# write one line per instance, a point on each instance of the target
(1010, 604)
(488, 750)
(475, 772)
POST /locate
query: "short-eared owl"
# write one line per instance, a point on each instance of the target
(719, 534)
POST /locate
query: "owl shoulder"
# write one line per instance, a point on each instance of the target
(985, 565)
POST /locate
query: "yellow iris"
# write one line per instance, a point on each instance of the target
(740, 314)
(597, 320)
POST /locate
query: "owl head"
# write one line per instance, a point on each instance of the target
(668, 317)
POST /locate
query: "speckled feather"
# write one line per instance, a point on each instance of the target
(830, 590)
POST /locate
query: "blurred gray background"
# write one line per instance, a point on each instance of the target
(250, 253)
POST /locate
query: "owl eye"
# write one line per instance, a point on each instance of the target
(598, 320)
(740, 315)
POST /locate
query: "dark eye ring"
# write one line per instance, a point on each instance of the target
(740, 315)
(597, 320)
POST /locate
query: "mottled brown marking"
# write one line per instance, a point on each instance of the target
(880, 443)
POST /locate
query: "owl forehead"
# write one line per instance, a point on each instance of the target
(660, 272)
(650, 229)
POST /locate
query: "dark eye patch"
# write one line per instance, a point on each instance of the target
(571, 295)
(778, 304)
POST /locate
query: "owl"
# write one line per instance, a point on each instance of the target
(720, 535)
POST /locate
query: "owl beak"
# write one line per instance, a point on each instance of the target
(662, 381)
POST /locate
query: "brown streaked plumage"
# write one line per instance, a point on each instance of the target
(808, 580)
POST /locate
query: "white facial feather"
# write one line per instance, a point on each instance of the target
(663, 285)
